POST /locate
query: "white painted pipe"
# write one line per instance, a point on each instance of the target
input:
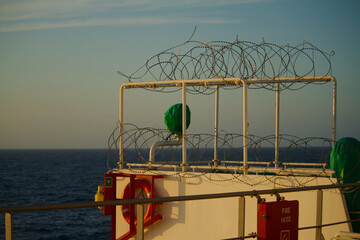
(121, 128)
(225, 81)
(160, 144)
(245, 126)
(334, 112)
(277, 120)
(184, 156)
(216, 127)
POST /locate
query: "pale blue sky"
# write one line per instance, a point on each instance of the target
(58, 62)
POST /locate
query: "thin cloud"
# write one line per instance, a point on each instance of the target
(39, 9)
(28, 15)
(112, 22)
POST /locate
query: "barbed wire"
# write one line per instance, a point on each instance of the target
(238, 59)
(200, 152)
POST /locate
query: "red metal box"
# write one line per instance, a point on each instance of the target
(278, 220)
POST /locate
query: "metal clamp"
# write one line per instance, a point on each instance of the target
(278, 197)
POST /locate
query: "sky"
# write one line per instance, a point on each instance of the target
(59, 86)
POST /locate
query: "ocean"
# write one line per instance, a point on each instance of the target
(33, 177)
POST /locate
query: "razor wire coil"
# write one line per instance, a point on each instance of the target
(238, 59)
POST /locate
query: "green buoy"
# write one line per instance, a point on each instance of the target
(173, 118)
(345, 161)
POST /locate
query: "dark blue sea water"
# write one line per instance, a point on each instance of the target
(32, 177)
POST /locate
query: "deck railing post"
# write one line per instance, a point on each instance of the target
(277, 117)
(184, 156)
(241, 231)
(216, 127)
(245, 126)
(140, 222)
(319, 209)
(334, 113)
(8, 226)
(121, 130)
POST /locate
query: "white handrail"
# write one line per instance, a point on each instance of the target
(9, 210)
(221, 82)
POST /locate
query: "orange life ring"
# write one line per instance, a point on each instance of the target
(146, 187)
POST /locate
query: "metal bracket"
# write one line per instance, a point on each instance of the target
(278, 197)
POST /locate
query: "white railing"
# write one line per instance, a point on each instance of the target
(224, 82)
(140, 211)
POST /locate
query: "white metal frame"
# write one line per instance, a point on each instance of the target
(223, 82)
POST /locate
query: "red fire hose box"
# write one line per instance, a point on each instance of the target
(278, 220)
